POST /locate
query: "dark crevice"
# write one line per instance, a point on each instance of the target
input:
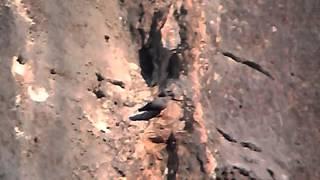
(221, 173)
(244, 172)
(173, 159)
(175, 66)
(99, 77)
(35, 139)
(158, 64)
(231, 139)
(202, 168)
(116, 83)
(271, 173)
(251, 146)
(227, 136)
(21, 60)
(99, 93)
(53, 71)
(141, 13)
(234, 172)
(180, 16)
(106, 38)
(121, 1)
(248, 63)
(120, 172)
(157, 139)
(142, 34)
(188, 114)
(146, 65)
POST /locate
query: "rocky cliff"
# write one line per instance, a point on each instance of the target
(240, 81)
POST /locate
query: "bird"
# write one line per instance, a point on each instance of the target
(155, 107)
(158, 104)
(145, 116)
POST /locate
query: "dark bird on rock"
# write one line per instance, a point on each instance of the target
(154, 108)
(145, 116)
(158, 104)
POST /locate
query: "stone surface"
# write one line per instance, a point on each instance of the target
(70, 78)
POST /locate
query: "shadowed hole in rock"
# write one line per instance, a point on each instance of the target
(158, 64)
(271, 173)
(53, 71)
(157, 139)
(251, 146)
(120, 172)
(226, 136)
(99, 93)
(175, 67)
(147, 66)
(145, 61)
(106, 38)
(21, 60)
(35, 140)
(99, 77)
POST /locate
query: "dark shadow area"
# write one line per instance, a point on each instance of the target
(226, 136)
(173, 159)
(158, 64)
(188, 115)
(234, 172)
(175, 67)
(248, 63)
(249, 145)
(146, 65)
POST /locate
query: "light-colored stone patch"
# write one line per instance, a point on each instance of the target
(21, 10)
(98, 120)
(21, 70)
(18, 100)
(18, 132)
(17, 68)
(170, 31)
(38, 94)
(133, 66)
(217, 77)
(101, 126)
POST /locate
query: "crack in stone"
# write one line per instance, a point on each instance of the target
(248, 63)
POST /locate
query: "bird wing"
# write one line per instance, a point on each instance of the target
(155, 105)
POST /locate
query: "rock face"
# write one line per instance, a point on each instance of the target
(244, 77)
